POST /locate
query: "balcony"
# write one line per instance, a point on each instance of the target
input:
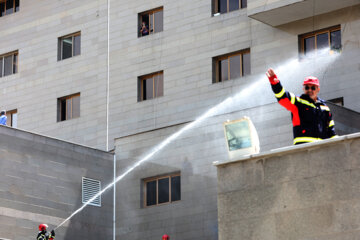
(279, 12)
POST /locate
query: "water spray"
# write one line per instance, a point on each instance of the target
(292, 64)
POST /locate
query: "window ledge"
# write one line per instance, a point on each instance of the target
(9, 77)
(153, 36)
(231, 14)
(69, 58)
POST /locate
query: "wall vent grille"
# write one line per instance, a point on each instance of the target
(90, 188)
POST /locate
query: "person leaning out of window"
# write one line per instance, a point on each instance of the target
(144, 30)
(3, 118)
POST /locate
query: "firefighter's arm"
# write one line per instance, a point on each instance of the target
(52, 235)
(40, 237)
(285, 98)
(331, 128)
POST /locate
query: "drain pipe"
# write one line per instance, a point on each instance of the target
(114, 208)
(108, 76)
(107, 116)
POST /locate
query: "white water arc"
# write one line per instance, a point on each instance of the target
(289, 67)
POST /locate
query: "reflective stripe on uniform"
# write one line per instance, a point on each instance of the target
(331, 123)
(306, 139)
(335, 136)
(292, 98)
(305, 102)
(280, 94)
(325, 108)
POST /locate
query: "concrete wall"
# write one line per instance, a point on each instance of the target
(302, 192)
(41, 182)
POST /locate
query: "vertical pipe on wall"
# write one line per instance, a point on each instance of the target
(114, 208)
(108, 75)
(107, 116)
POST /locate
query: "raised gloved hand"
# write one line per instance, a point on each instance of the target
(272, 76)
(53, 233)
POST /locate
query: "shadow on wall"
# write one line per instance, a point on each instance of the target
(195, 214)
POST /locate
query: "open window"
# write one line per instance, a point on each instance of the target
(11, 118)
(150, 86)
(150, 22)
(68, 107)
(9, 6)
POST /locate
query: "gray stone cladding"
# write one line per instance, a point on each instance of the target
(41, 182)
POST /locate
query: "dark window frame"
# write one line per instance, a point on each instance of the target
(60, 117)
(15, 63)
(10, 117)
(217, 61)
(314, 34)
(149, 13)
(142, 82)
(60, 45)
(169, 176)
(216, 7)
(16, 8)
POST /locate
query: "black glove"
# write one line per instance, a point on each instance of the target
(53, 233)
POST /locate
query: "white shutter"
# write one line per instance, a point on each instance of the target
(90, 188)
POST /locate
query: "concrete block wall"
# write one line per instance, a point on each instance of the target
(42, 79)
(41, 182)
(308, 191)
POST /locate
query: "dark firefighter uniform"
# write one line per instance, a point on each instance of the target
(43, 234)
(312, 121)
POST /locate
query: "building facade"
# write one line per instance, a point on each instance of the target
(127, 75)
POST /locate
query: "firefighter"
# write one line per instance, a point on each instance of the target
(43, 234)
(165, 237)
(311, 118)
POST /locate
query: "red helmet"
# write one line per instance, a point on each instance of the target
(43, 227)
(311, 81)
(165, 237)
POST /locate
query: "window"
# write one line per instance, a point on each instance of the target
(160, 190)
(327, 38)
(68, 107)
(11, 118)
(90, 188)
(8, 64)
(9, 6)
(69, 46)
(231, 66)
(150, 86)
(337, 101)
(150, 22)
(225, 6)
